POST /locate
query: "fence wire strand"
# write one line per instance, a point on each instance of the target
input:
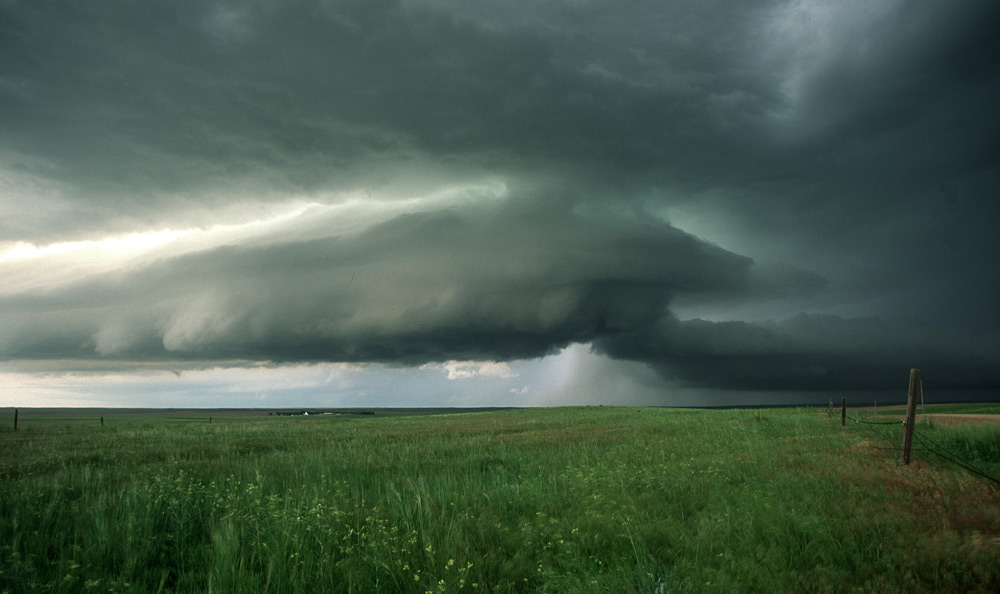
(952, 457)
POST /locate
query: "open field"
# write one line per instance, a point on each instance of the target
(595, 499)
(947, 414)
(975, 408)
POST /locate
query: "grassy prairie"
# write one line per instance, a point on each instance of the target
(545, 500)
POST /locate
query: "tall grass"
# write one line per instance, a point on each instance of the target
(976, 444)
(554, 500)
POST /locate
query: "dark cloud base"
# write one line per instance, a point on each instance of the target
(808, 352)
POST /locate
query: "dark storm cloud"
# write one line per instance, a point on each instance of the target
(808, 352)
(839, 160)
(489, 282)
(124, 99)
(138, 101)
(134, 104)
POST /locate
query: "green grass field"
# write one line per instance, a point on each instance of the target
(546, 500)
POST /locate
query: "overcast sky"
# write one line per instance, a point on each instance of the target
(420, 202)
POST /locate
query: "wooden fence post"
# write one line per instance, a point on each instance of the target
(923, 410)
(843, 411)
(911, 413)
(15, 419)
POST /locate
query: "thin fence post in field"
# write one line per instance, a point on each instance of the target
(15, 419)
(911, 413)
(102, 421)
(843, 411)
(829, 411)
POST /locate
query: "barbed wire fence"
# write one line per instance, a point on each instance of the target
(927, 444)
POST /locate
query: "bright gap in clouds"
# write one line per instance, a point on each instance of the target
(112, 246)
(25, 266)
(114, 250)
(338, 213)
(572, 376)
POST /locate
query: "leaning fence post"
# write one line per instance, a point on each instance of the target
(911, 413)
(843, 411)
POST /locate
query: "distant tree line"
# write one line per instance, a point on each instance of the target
(306, 413)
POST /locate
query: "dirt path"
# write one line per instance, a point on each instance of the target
(961, 419)
(950, 418)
